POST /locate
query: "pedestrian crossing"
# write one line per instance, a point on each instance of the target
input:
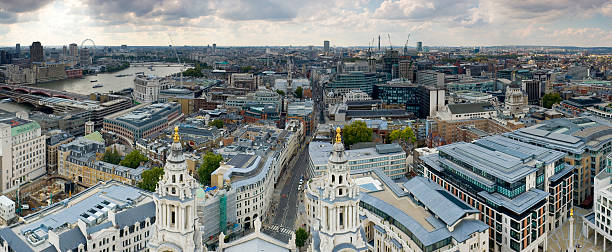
(279, 229)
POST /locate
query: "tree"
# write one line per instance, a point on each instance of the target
(150, 178)
(112, 157)
(217, 123)
(405, 136)
(133, 159)
(549, 99)
(211, 162)
(300, 237)
(280, 92)
(356, 132)
(299, 92)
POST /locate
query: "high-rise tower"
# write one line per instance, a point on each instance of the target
(36, 52)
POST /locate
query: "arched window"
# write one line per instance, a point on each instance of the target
(333, 178)
(339, 179)
(340, 192)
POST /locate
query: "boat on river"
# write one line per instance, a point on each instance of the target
(98, 86)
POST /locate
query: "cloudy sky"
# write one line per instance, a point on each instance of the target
(307, 22)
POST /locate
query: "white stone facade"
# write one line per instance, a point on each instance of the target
(147, 88)
(177, 227)
(333, 215)
(22, 153)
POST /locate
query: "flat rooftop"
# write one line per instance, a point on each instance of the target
(571, 135)
(320, 151)
(90, 206)
(420, 205)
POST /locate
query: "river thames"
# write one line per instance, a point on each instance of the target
(110, 82)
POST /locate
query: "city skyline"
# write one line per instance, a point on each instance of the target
(282, 23)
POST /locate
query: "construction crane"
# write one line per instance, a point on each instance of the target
(406, 45)
(177, 58)
(390, 46)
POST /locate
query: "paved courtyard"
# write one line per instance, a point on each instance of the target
(558, 239)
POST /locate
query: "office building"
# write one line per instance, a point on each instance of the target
(36, 53)
(54, 140)
(7, 209)
(326, 46)
(599, 219)
(18, 50)
(389, 158)
(148, 87)
(406, 71)
(73, 50)
(256, 156)
(421, 216)
(22, 152)
(523, 191)
(391, 63)
(422, 101)
(344, 83)
(302, 111)
(79, 161)
(419, 46)
(584, 141)
(142, 121)
(430, 78)
(465, 130)
(85, 58)
(471, 84)
(4, 57)
(243, 80)
(109, 216)
(417, 215)
(533, 90)
(463, 111)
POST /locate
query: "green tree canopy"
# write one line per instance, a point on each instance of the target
(111, 156)
(299, 92)
(133, 159)
(549, 99)
(300, 237)
(406, 135)
(217, 123)
(211, 162)
(356, 132)
(150, 178)
(280, 92)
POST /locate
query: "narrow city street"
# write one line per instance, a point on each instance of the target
(284, 212)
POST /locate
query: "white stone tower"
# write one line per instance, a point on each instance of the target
(89, 127)
(176, 226)
(334, 205)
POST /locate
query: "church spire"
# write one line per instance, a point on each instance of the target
(176, 135)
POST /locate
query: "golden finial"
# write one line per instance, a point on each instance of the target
(571, 212)
(338, 136)
(176, 135)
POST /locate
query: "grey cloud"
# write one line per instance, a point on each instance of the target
(258, 9)
(147, 11)
(10, 8)
(7, 17)
(550, 9)
(18, 6)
